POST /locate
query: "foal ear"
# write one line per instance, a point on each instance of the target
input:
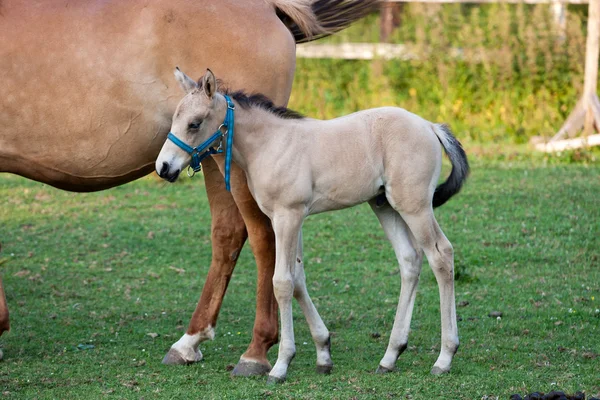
(185, 82)
(209, 83)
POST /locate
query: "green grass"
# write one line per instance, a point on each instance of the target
(94, 269)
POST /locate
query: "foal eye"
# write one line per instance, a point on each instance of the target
(194, 125)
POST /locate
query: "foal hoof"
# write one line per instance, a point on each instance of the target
(324, 369)
(274, 380)
(174, 357)
(439, 371)
(250, 368)
(383, 370)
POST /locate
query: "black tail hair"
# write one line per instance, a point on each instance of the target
(460, 167)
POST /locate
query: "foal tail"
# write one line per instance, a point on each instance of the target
(312, 19)
(460, 165)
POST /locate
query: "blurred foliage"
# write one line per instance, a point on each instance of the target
(497, 73)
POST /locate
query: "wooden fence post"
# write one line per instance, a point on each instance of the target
(586, 114)
(390, 13)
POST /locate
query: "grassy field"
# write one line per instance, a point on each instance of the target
(89, 276)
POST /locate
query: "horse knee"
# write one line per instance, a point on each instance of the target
(228, 240)
(4, 323)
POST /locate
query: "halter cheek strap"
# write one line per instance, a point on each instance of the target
(205, 149)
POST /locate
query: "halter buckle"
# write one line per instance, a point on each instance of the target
(190, 174)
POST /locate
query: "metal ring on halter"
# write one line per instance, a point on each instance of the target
(223, 125)
(188, 171)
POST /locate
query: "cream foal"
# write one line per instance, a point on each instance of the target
(299, 166)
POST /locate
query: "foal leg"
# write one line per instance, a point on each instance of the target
(287, 229)
(440, 255)
(318, 330)
(410, 258)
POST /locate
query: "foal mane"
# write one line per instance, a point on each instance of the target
(257, 100)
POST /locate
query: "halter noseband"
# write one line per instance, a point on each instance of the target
(205, 149)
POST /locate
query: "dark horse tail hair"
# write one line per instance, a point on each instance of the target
(460, 166)
(323, 18)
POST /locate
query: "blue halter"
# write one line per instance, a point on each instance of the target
(205, 149)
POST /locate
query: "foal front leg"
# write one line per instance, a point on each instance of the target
(287, 226)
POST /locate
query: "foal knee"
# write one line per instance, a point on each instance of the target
(283, 288)
(443, 258)
(410, 262)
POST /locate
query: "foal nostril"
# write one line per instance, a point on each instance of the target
(164, 169)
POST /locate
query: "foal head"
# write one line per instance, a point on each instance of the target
(197, 117)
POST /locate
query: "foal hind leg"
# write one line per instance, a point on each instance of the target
(318, 330)
(410, 259)
(440, 255)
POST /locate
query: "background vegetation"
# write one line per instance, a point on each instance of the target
(516, 76)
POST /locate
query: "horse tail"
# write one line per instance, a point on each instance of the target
(312, 19)
(460, 165)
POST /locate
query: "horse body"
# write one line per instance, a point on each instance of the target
(84, 83)
(86, 101)
(297, 167)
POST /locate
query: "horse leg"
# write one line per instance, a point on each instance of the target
(262, 241)
(410, 259)
(4, 320)
(318, 330)
(228, 235)
(440, 255)
(287, 228)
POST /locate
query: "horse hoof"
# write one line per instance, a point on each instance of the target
(324, 369)
(274, 380)
(383, 370)
(174, 357)
(439, 371)
(250, 368)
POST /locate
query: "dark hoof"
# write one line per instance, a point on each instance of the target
(250, 368)
(273, 380)
(438, 371)
(173, 357)
(324, 369)
(383, 370)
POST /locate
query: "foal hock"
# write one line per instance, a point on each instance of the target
(299, 166)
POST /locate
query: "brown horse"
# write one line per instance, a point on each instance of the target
(87, 95)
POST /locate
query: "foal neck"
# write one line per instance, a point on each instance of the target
(255, 128)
